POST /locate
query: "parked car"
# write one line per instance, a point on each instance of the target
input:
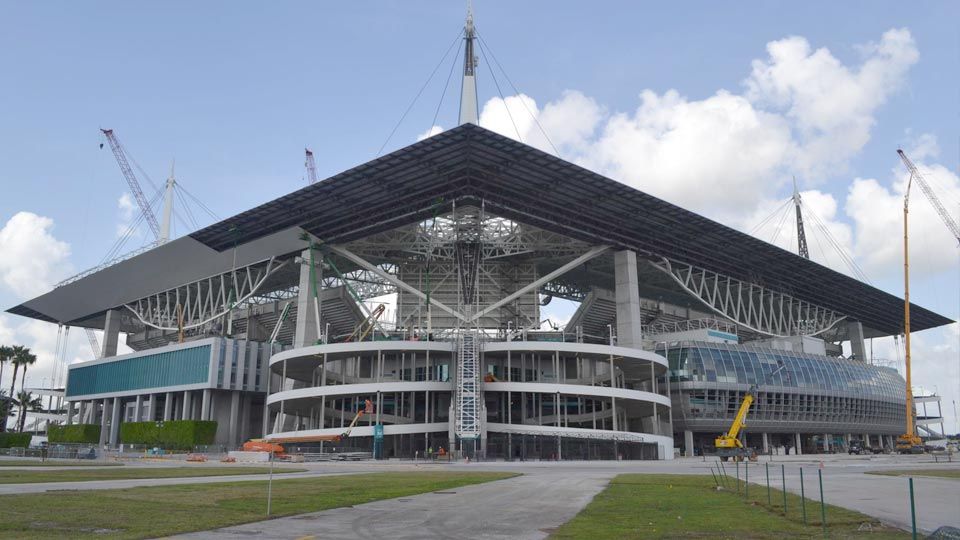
(856, 447)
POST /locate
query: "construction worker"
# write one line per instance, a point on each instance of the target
(430, 452)
(442, 453)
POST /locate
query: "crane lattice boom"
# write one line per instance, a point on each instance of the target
(132, 182)
(931, 196)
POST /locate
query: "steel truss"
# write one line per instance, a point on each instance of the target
(202, 301)
(749, 305)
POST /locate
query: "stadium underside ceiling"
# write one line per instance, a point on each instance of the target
(467, 167)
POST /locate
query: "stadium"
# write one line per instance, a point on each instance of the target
(269, 322)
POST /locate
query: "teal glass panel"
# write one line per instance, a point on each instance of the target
(171, 368)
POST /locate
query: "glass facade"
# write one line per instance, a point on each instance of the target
(171, 368)
(744, 364)
(812, 393)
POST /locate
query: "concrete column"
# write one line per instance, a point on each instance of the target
(306, 332)
(81, 408)
(115, 422)
(168, 407)
(766, 443)
(103, 422)
(826, 442)
(234, 417)
(69, 413)
(798, 444)
(186, 406)
(205, 405)
(628, 299)
(857, 347)
(111, 334)
(137, 413)
(688, 443)
(846, 439)
(153, 408)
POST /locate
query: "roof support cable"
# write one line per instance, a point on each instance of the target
(502, 99)
(536, 120)
(417, 97)
(756, 228)
(199, 203)
(446, 86)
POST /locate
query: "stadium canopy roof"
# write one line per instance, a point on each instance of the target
(471, 165)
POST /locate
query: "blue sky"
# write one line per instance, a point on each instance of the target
(234, 91)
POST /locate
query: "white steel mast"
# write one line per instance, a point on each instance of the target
(167, 207)
(469, 112)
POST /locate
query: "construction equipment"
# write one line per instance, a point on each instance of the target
(910, 442)
(132, 182)
(311, 166)
(363, 329)
(275, 445)
(729, 444)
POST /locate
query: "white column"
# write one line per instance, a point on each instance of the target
(111, 334)
(103, 423)
(766, 443)
(826, 442)
(186, 406)
(798, 440)
(115, 422)
(153, 408)
(234, 416)
(688, 443)
(136, 409)
(168, 407)
(628, 299)
(306, 331)
(69, 413)
(205, 405)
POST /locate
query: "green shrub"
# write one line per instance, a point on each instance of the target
(171, 434)
(74, 433)
(15, 440)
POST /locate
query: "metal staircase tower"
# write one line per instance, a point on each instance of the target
(468, 398)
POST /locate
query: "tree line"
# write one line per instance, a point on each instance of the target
(20, 358)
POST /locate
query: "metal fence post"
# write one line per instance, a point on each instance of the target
(746, 479)
(913, 512)
(767, 467)
(724, 473)
(803, 498)
(714, 477)
(823, 509)
(270, 485)
(783, 477)
(738, 477)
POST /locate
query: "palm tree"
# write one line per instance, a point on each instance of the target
(26, 400)
(6, 409)
(26, 358)
(15, 360)
(6, 355)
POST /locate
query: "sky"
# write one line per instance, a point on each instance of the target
(713, 107)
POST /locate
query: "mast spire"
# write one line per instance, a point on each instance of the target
(801, 234)
(469, 111)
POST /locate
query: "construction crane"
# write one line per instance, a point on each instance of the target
(132, 182)
(94, 343)
(910, 442)
(311, 166)
(729, 445)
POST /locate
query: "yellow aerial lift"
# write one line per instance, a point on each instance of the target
(729, 445)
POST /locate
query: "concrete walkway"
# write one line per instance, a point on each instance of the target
(525, 507)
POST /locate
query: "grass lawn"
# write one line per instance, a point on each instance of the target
(941, 473)
(126, 473)
(686, 506)
(57, 463)
(164, 510)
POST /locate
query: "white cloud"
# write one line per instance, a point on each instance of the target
(830, 105)
(877, 214)
(32, 258)
(802, 112)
